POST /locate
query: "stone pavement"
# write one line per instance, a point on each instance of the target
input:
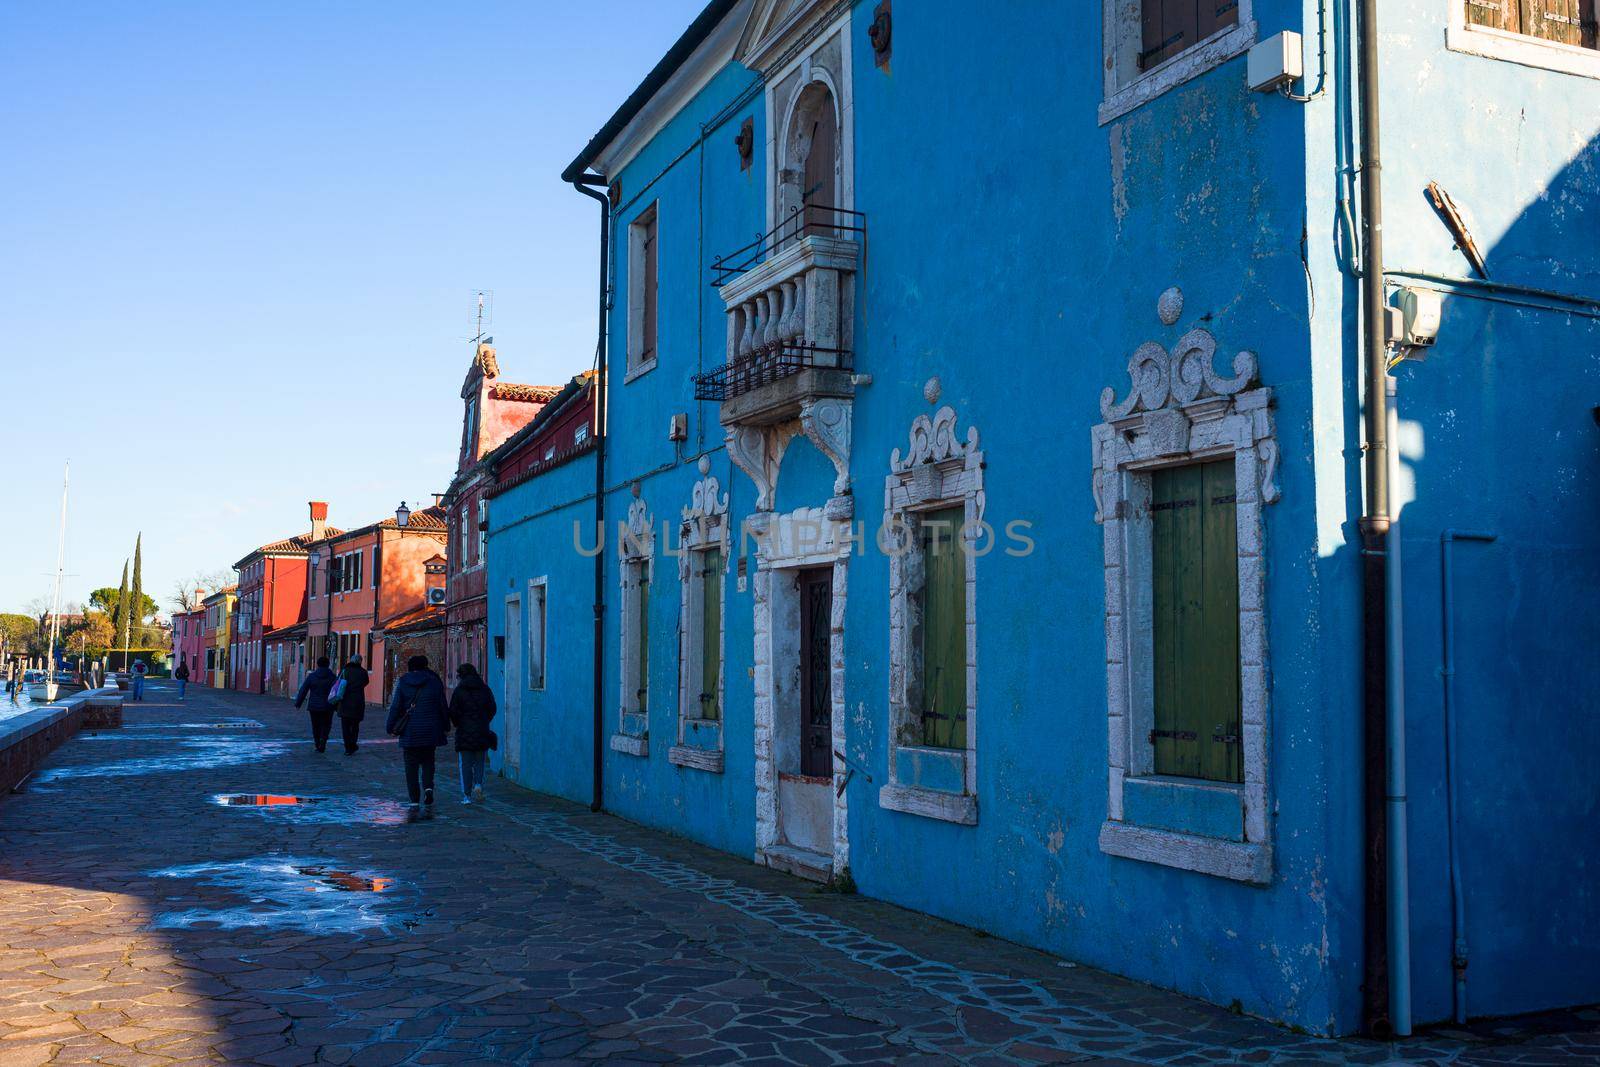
(142, 921)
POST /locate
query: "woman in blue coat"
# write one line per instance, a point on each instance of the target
(419, 717)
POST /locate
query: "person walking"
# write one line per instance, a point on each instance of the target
(182, 675)
(352, 703)
(471, 710)
(139, 671)
(419, 718)
(314, 694)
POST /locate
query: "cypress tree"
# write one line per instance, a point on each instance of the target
(136, 597)
(120, 611)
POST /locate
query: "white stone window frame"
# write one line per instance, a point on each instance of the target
(636, 557)
(1180, 412)
(704, 526)
(939, 471)
(636, 365)
(1524, 49)
(538, 624)
(1127, 87)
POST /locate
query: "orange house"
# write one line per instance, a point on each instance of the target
(360, 579)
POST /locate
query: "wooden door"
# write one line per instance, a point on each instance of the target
(816, 671)
(820, 192)
(1195, 575)
(943, 633)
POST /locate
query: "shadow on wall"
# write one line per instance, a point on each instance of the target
(1499, 435)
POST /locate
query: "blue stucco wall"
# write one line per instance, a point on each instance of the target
(531, 535)
(1496, 435)
(1017, 248)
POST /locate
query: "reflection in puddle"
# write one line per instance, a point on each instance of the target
(198, 756)
(294, 892)
(261, 800)
(338, 811)
(233, 724)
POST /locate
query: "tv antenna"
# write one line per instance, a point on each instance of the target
(483, 299)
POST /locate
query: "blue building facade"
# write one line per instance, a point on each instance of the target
(983, 535)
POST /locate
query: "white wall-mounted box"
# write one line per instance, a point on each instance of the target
(1275, 62)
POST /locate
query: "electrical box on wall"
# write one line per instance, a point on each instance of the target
(679, 429)
(1275, 62)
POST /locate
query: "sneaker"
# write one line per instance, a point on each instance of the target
(466, 800)
(427, 798)
(477, 792)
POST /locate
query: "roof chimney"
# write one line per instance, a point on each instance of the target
(319, 519)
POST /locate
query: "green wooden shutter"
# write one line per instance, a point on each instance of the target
(710, 633)
(642, 638)
(1195, 578)
(944, 629)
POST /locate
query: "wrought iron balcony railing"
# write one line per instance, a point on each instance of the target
(810, 220)
(781, 359)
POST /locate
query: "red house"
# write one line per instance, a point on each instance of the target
(188, 642)
(492, 411)
(272, 595)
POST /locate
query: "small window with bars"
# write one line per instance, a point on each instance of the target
(1571, 22)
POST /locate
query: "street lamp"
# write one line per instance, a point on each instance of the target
(402, 515)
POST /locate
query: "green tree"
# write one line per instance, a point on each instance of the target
(119, 617)
(137, 598)
(17, 630)
(95, 635)
(106, 598)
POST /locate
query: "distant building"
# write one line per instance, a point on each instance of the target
(419, 631)
(214, 633)
(492, 411)
(284, 660)
(272, 595)
(188, 642)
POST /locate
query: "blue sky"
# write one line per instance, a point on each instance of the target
(239, 247)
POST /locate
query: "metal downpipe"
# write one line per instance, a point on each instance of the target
(1374, 527)
(583, 184)
(1447, 673)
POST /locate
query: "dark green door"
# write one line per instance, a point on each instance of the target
(710, 633)
(1195, 574)
(944, 629)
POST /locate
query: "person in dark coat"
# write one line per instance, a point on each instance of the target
(182, 675)
(353, 705)
(471, 710)
(419, 701)
(315, 689)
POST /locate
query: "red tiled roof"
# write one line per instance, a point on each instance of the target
(422, 618)
(428, 518)
(290, 546)
(531, 394)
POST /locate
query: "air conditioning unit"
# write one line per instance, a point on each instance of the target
(436, 596)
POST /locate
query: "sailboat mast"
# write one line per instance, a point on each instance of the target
(61, 566)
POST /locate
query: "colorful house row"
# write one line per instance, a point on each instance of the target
(1047, 568)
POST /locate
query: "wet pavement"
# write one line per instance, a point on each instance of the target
(211, 890)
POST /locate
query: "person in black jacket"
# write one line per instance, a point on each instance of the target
(419, 718)
(471, 709)
(315, 688)
(182, 675)
(353, 705)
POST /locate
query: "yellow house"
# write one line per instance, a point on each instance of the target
(215, 634)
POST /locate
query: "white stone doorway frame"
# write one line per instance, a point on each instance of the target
(800, 539)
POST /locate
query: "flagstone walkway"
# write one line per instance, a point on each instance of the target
(202, 887)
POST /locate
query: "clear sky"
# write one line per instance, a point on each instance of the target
(238, 249)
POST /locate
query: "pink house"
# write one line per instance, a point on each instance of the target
(188, 646)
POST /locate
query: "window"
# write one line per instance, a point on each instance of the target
(635, 549)
(1153, 45)
(581, 434)
(483, 528)
(643, 257)
(1184, 466)
(702, 571)
(939, 622)
(933, 530)
(1570, 22)
(536, 633)
(1195, 587)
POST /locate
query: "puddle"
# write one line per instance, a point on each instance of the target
(262, 800)
(306, 893)
(198, 756)
(336, 811)
(236, 724)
